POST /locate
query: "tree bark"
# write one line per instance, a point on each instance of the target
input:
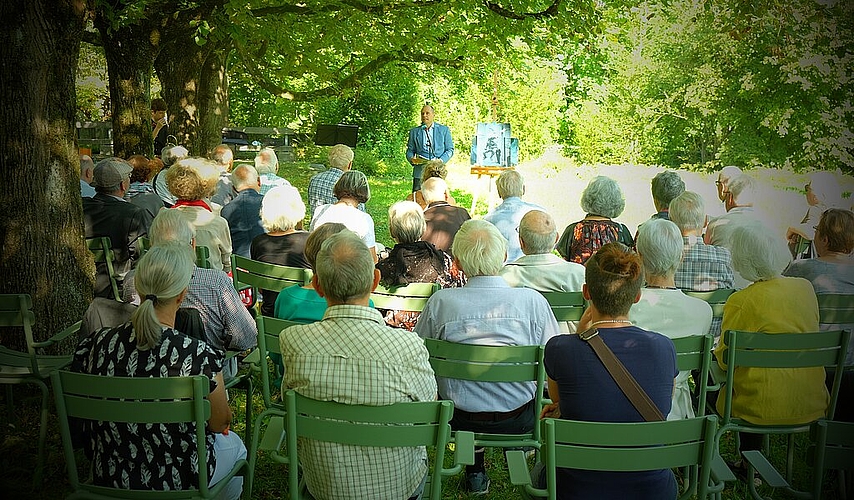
(213, 99)
(41, 225)
(130, 51)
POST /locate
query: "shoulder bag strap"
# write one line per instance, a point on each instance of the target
(626, 382)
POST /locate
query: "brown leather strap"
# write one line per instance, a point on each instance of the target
(625, 381)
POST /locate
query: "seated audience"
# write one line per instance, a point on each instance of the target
(227, 323)
(738, 199)
(412, 260)
(823, 191)
(169, 156)
(832, 272)
(662, 307)
(432, 168)
(282, 210)
(350, 190)
(267, 165)
(162, 457)
(770, 304)
(603, 200)
(87, 167)
(141, 192)
(109, 214)
(192, 180)
(665, 186)
(507, 215)
(320, 186)
(378, 366)
(582, 389)
(243, 213)
(223, 157)
(443, 219)
(486, 311)
(539, 268)
(704, 267)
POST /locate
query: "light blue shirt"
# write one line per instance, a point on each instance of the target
(506, 217)
(86, 191)
(487, 311)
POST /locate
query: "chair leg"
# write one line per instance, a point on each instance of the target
(248, 434)
(10, 403)
(39, 473)
(790, 457)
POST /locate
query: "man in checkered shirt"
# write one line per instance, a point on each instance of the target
(351, 356)
(704, 267)
(320, 186)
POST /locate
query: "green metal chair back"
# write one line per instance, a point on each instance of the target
(835, 309)
(694, 352)
(412, 297)
(33, 366)
(423, 423)
(141, 401)
(566, 306)
(203, 253)
(484, 363)
(268, 342)
(264, 276)
(622, 447)
(715, 298)
(833, 449)
(102, 252)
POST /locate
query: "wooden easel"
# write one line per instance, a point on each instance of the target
(492, 173)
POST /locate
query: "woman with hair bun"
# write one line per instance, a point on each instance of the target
(160, 458)
(582, 389)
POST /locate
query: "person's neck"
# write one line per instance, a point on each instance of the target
(166, 314)
(661, 282)
(350, 202)
(361, 301)
(599, 320)
(835, 257)
(692, 232)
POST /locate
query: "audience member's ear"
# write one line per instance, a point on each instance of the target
(706, 221)
(637, 298)
(585, 292)
(376, 279)
(316, 285)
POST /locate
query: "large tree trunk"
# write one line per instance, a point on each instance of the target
(130, 51)
(213, 99)
(41, 224)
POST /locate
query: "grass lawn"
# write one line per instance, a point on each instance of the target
(552, 182)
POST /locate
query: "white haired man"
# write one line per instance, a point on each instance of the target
(507, 216)
(223, 156)
(243, 213)
(486, 311)
(443, 219)
(539, 268)
(738, 200)
(87, 166)
(320, 186)
(267, 165)
(383, 366)
(724, 176)
(109, 214)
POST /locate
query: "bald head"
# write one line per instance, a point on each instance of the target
(537, 233)
(223, 156)
(87, 166)
(245, 177)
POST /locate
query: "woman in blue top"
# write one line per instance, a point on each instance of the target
(582, 388)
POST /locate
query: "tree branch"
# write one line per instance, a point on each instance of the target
(550, 11)
(353, 4)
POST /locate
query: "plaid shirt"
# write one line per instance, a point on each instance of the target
(351, 357)
(320, 190)
(705, 268)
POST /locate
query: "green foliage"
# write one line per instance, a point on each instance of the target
(93, 96)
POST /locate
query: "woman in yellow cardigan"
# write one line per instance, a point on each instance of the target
(771, 304)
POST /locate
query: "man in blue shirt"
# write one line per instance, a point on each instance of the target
(428, 141)
(243, 213)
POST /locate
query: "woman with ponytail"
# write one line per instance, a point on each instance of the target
(160, 458)
(582, 389)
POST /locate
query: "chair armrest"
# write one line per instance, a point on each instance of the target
(766, 471)
(518, 468)
(464, 448)
(720, 470)
(253, 359)
(718, 376)
(59, 337)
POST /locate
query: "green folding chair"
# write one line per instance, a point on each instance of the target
(423, 423)
(31, 367)
(412, 297)
(835, 309)
(621, 447)
(484, 363)
(140, 401)
(102, 252)
(268, 342)
(566, 306)
(779, 350)
(203, 253)
(833, 449)
(248, 273)
(715, 298)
